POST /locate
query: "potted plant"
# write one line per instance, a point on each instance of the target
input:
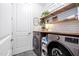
(45, 13)
(42, 21)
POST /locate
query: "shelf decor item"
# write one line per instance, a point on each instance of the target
(42, 23)
(35, 21)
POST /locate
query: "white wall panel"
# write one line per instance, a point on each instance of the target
(5, 19)
(5, 29)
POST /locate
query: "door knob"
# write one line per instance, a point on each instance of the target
(29, 33)
(12, 40)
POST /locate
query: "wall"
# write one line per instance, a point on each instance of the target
(5, 28)
(5, 19)
(37, 10)
(52, 6)
(71, 26)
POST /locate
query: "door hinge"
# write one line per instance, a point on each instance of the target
(11, 18)
(12, 40)
(12, 33)
(12, 49)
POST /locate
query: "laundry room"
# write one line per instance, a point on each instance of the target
(39, 29)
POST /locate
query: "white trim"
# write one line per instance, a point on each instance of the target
(3, 39)
(20, 50)
(9, 53)
(5, 48)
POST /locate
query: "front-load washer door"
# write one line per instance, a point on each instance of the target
(35, 42)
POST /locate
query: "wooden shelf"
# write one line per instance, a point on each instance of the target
(61, 9)
(42, 18)
(66, 33)
(66, 20)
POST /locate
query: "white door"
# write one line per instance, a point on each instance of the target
(22, 28)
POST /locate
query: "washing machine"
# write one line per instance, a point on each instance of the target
(37, 43)
(60, 45)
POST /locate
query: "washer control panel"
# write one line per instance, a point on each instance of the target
(72, 40)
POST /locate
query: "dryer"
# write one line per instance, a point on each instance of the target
(59, 45)
(63, 45)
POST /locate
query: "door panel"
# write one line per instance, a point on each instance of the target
(21, 22)
(21, 29)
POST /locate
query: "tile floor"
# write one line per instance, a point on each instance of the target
(26, 53)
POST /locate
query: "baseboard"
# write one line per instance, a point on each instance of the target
(20, 50)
